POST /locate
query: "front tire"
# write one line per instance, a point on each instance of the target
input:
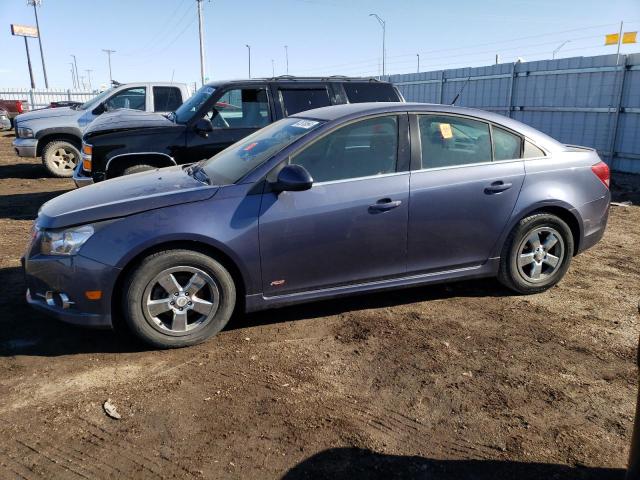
(177, 298)
(137, 169)
(60, 158)
(537, 254)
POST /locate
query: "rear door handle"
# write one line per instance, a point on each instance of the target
(385, 204)
(497, 187)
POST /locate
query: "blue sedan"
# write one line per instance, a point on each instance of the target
(330, 202)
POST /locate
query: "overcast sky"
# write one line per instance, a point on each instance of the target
(158, 39)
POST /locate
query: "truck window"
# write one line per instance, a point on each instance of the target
(134, 98)
(296, 100)
(370, 92)
(166, 99)
(241, 108)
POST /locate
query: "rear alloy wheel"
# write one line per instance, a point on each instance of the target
(537, 254)
(60, 158)
(178, 298)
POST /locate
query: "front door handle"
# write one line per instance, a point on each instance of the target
(497, 187)
(385, 204)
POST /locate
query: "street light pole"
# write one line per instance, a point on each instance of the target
(73, 75)
(75, 63)
(108, 52)
(249, 50)
(201, 30)
(383, 24)
(36, 3)
(418, 55)
(553, 55)
(286, 56)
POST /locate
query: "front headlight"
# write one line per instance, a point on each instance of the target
(64, 242)
(24, 132)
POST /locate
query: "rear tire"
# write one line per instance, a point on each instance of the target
(60, 158)
(137, 169)
(536, 254)
(177, 298)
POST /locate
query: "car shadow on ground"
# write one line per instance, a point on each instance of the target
(24, 331)
(25, 171)
(357, 463)
(25, 206)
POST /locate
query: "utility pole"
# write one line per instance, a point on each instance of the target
(75, 63)
(201, 29)
(249, 49)
(418, 55)
(37, 3)
(108, 52)
(383, 24)
(286, 56)
(89, 77)
(81, 81)
(26, 45)
(273, 69)
(73, 75)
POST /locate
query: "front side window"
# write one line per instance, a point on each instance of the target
(166, 99)
(361, 149)
(233, 163)
(188, 109)
(241, 108)
(133, 98)
(449, 141)
(506, 145)
(296, 100)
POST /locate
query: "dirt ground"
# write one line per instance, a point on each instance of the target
(452, 381)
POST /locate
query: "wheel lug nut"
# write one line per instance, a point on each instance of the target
(175, 294)
(173, 303)
(190, 303)
(180, 309)
(186, 293)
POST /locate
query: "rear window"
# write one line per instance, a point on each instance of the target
(301, 99)
(166, 99)
(370, 92)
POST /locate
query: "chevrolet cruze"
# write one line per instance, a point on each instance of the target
(330, 202)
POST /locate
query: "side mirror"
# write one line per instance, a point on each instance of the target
(203, 127)
(293, 178)
(100, 109)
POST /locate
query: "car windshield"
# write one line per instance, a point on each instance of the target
(184, 113)
(97, 99)
(242, 157)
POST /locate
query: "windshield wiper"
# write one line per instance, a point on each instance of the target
(196, 171)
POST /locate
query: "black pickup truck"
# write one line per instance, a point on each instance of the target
(216, 116)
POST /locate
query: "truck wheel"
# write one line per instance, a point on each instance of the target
(536, 254)
(137, 169)
(177, 298)
(60, 158)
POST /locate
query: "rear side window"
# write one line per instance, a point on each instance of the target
(166, 99)
(531, 151)
(370, 92)
(361, 149)
(449, 141)
(299, 100)
(506, 145)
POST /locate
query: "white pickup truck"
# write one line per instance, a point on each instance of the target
(55, 134)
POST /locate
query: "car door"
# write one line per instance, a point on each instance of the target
(351, 226)
(236, 113)
(462, 192)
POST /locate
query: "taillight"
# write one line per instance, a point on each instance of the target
(19, 106)
(601, 170)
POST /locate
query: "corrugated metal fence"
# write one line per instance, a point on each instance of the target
(590, 101)
(43, 97)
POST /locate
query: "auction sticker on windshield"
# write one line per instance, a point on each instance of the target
(305, 124)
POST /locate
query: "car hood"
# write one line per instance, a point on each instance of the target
(120, 120)
(123, 196)
(48, 113)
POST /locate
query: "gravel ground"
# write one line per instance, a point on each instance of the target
(464, 380)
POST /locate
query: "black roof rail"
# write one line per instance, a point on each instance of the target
(327, 77)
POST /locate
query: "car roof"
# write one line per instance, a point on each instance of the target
(293, 79)
(351, 111)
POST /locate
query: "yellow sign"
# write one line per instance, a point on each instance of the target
(629, 37)
(445, 130)
(611, 39)
(24, 30)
